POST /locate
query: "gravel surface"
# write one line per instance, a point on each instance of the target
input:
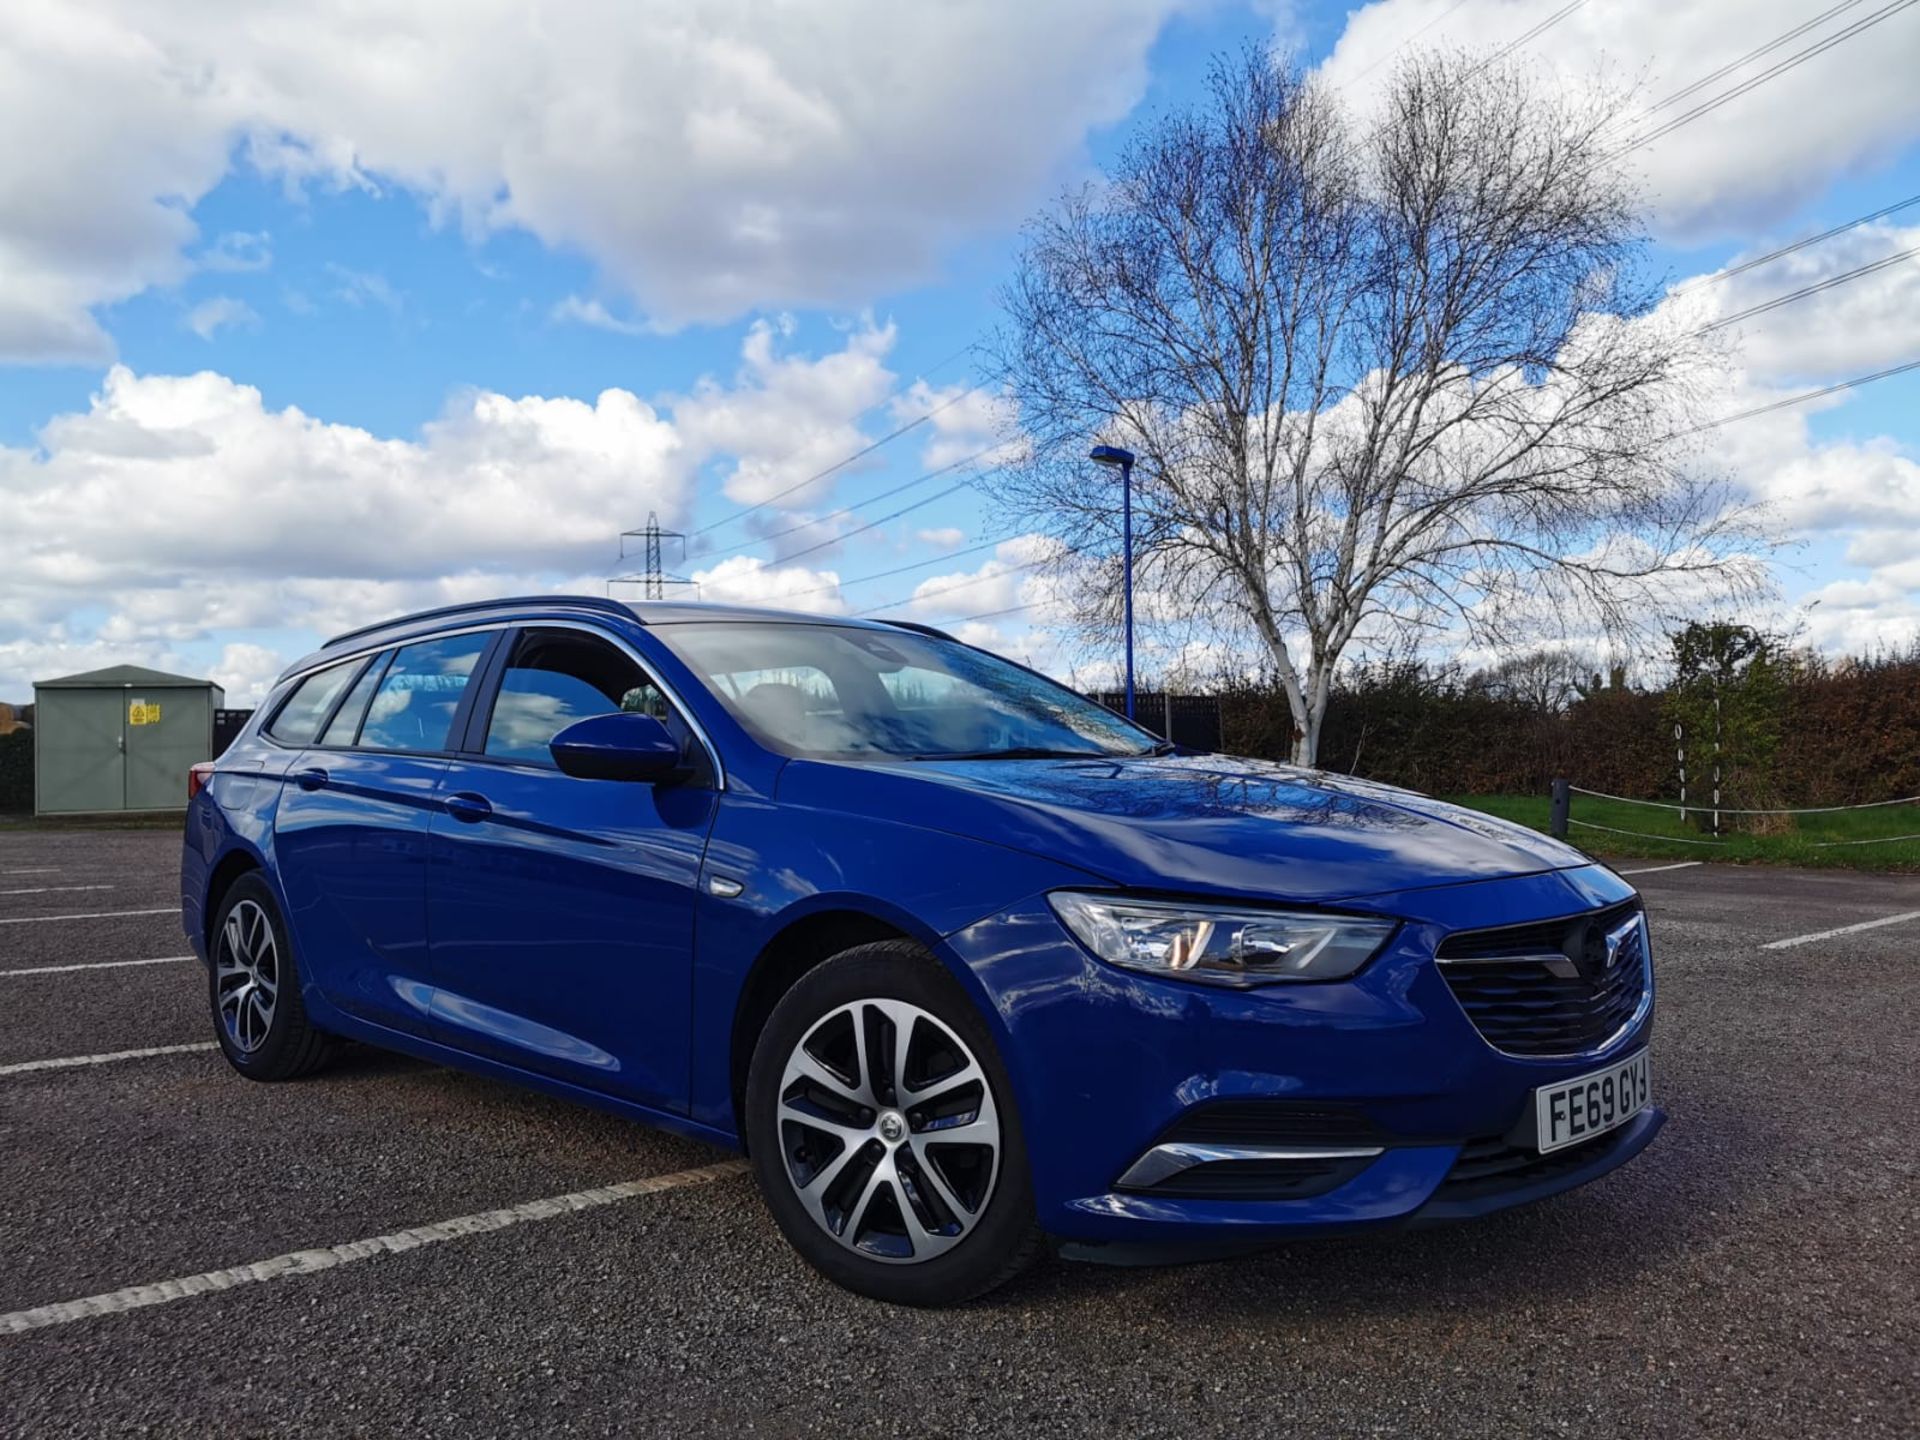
(1753, 1274)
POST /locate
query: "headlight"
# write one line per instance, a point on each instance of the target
(1218, 945)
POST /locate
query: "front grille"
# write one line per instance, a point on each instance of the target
(1537, 989)
(1492, 1166)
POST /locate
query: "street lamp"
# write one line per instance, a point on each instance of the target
(1114, 455)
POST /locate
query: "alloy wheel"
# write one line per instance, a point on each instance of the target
(247, 976)
(888, 1130)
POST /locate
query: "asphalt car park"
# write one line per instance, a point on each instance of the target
(470, 1258)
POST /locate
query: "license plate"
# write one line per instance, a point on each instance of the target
(1591, 1104)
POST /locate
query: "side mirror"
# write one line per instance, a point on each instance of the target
(620, 746)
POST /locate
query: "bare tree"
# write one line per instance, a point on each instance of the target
(1383, 376)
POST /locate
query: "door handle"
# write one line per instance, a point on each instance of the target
(467, 806)
(314, 779)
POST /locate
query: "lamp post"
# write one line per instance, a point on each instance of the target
(1114, 455)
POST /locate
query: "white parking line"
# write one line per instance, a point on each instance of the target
(88, 915)
(53, 889)
(1656, 869)
(32, 870)
(308, 1262)
(67, 1062)
(1843, 930)
(93, 965)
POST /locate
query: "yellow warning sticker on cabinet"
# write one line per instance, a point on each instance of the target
(143, 712)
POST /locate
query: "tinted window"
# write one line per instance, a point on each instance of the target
(299, 719)
(346, 720)
(414, 706)
(842, 691)
(557, 677)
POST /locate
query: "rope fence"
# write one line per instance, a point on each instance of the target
(1561, 819)
(1729, 810)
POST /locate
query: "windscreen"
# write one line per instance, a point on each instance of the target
(843, 692)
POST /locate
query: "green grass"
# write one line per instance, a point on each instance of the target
(1663, 837)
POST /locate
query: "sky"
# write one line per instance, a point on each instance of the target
(314, 313)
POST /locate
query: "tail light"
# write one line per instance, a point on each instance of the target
(198, 776)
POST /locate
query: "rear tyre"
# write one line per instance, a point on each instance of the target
(253, 989)
(884, 1134)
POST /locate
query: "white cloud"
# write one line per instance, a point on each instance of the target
(748, 580)
(238, 250)
(944, 538)
(177, 508)
(711, 159)
(593, 314)
(1855, 327)
(1747, 164)
(786, 417)
(222, 312)
(1014, 576)
(963, 423)
(360, 288)
(246, 672)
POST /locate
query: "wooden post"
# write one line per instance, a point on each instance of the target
(1562, 802)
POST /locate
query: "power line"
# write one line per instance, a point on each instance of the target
(876, 524)
(859, 454)
(1786, 250)
(1853, 384)
(1531, 35)
(849, 509)
(1446, 14)
(940, 559)
(1774, 44)
(995, 614)
(1797, 58)
(973, 580)
(1844, 277)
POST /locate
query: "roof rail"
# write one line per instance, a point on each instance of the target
(571, 602)
(918, 628)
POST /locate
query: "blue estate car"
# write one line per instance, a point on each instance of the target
(963, 960)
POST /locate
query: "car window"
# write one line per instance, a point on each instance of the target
(414, 706)
(345, 725)
(557, 677)
(845, 692)
(299, 719)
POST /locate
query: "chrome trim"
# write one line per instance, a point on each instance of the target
(1554, 960)
(725, 886)
(327, 662)
(422, 637)
(1163, 1162)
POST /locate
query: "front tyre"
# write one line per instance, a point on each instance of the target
(254, 990)
(883, 1131)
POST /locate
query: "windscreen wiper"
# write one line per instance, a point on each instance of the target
(1021, 752)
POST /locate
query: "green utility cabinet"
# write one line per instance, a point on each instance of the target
(119, 739)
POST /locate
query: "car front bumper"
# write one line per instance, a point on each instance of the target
(1108, 1064)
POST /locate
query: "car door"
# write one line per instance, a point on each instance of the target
(351, 830)
(560, 909)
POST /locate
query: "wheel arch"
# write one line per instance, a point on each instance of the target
(235, 863)
(799, 946)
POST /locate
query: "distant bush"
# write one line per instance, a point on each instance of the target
(16, 771)
(1818, 732)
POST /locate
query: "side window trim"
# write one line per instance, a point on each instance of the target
(294, 687)
(485, 673)
(378, 658)
(462, 711)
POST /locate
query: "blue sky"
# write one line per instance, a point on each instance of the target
(275, 333)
